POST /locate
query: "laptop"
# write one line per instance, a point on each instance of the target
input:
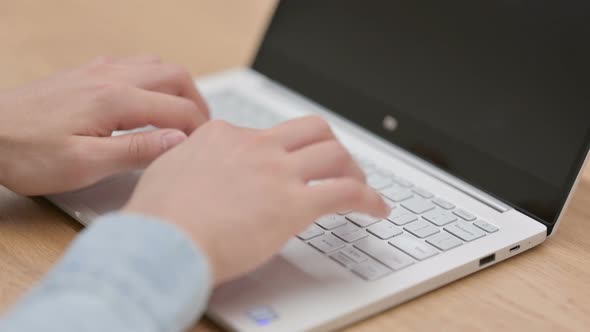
(472, 118)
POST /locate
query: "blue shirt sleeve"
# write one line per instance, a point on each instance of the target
(123, 273)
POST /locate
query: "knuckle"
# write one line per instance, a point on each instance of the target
(188, 106)
(177, 71)
(215, 129)
(340, 154)
(262, 137)
(138, 146)
(320, 123)
(351, 191)
(105, 93)
(218, 125)
(77, 156)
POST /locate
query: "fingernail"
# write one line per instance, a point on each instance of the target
(172, 139)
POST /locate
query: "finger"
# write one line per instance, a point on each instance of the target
(134, 60)
(328, 159)
(130, 107)
(297, 133)
(140, 60)
(164, 78)
(346, 194)
(178, 80)
(135, 150)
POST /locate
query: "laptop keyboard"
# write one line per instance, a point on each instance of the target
(242, 111)
(421, 225)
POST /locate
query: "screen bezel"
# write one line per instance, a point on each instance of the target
(274, 66)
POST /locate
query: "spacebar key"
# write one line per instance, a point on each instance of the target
(384, 253)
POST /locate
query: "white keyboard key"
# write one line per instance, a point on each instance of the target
(418, 205)
(465, 231)
(464, 214)
(486, 226)
(413, 247)
(311, 232)
(379, 181)
(367, 166)
(443, 204)
(242, 111)
(422, 192)
(384, 230)
(444, 241)
(439, 217)
(362, 220)
(384, 253)
(331, 221)
(349, 257)
(327, 243)
(343, 259)
(350, 233)
(371, 270)
(403, 182)
(397, 193)
(421, 228)
(395, 209)
(401, 216)
(363, 162)
(354, 254)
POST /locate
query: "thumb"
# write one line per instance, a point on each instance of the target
(139, 149)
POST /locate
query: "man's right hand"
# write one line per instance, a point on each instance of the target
(241, 194)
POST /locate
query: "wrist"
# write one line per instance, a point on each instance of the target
(198, 239)
(152, 267)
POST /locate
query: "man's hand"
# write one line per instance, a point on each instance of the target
(55, 135)
(242, 193)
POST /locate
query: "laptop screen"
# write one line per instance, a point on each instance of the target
(495, 92)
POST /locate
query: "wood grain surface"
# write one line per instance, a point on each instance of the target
(545, 289)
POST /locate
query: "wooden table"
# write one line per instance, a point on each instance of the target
(544, 289)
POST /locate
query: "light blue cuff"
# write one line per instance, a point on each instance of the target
(124, 273)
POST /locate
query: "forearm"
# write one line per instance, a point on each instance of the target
(124, 273)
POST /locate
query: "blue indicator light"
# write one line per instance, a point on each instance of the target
(262, 315)
(263, 322)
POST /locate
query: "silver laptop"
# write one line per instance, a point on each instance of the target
(471, 118)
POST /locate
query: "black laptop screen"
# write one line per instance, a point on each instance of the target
(495, 92)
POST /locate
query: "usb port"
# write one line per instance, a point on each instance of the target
(487, 259)
(515, 248)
